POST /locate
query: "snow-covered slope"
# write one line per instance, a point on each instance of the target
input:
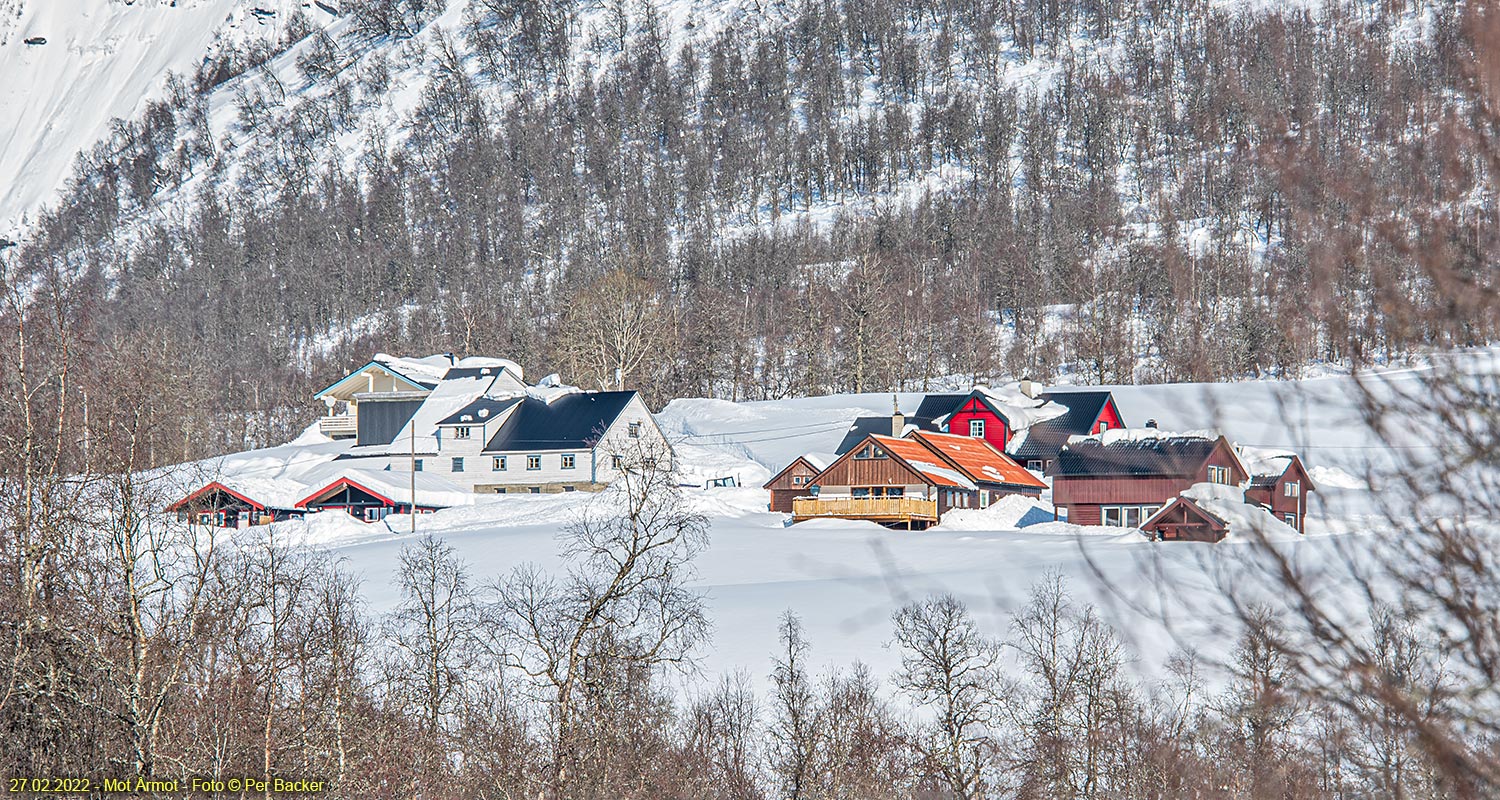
(102, 60)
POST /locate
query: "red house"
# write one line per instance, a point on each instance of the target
(1122, 480)
(794, 481)
(1280, 482)
(1210, 512)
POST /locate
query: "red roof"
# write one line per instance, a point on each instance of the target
(339, 484)
(978, 459)
(212, 487)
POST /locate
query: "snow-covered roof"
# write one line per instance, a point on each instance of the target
(1244, 521)
(820, 461)
(1020, 410)
(1265, 461)
(431, 368)
(432, 490)
(459, 389)
(1114, 435)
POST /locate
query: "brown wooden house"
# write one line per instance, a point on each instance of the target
(894, 482)
(1279, 482)
(794, 481)
(1124, 478)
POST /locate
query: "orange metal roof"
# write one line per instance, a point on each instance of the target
(978, 459)
(922, 459)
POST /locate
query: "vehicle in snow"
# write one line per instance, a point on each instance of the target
(36, 41)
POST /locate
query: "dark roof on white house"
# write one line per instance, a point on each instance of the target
(1044, 439)
(570, 421)
(480, 411)
(1168, 456)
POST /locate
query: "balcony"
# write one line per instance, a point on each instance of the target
(338, 426)
(908, 511)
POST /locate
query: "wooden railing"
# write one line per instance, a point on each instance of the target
(338, 424)
(895, 508)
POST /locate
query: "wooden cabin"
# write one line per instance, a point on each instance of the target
(1123, 480)
(217, 504)
(1280, 483)
(890, 481)
(794, 481)
(1182, 520)
(372, 495)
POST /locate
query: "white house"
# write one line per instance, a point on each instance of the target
(557, 440)
(480, 426)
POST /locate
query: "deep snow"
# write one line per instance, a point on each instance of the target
(845, 578)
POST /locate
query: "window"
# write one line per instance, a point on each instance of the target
(797, 480)
(458, 464)
(859, 491)
(976, 428)
(870, 451)
(533, 462)
(569, 460)
(1292, 488)
(461, 432)
(1218, 474)
(1125, 516)
(634, 430)
(1034, 465)
(536, 490)
(374, 513)
(984, 499)
(498, 464)
(1103, 426)
(894, 491)
(416, 465)
(570, 488)
(617, 462)
(1291, 519)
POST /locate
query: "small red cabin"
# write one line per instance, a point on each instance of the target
(1280, 483)
(219, 505)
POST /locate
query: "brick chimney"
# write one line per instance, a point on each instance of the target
(898, 420)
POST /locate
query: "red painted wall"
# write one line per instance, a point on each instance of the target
(1110, 415)
(996, 432)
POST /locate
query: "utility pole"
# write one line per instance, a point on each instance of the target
(413, 509)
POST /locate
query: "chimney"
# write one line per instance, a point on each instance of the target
(1029, 388)
(898, 421)
(1151, 423)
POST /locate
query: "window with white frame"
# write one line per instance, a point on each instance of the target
(869, 451)
(1218, 474)
(461, 432)
(416, 465)
(976, 428)
(617, 462)
(1125, 516)
(533, 462)
(498, 464)
(1291, 519)
(1292, 488)
(458, 464)
(634, 430)
(569, 461)
(1034, 465)
(798, 480)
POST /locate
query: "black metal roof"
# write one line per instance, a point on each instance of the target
(480, 411)
(938, 405)
(571, 421)
(1045, 439)
(1176, 456)
(862, 427)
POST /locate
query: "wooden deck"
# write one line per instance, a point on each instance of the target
(906, 511)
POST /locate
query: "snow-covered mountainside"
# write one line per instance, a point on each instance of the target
(70, 68)
(795, 198)
(845, 578)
